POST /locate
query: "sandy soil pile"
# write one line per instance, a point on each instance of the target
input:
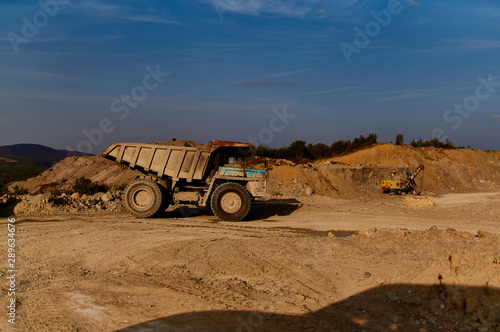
(49, 204)
(177, 143)
(384, 154)
(359, 174)
(62, 176)
(446, 170)
(338, 181)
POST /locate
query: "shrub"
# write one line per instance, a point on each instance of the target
(3, 187)
(400, 139)
(19, 191)
(435, 142)
(86, 186)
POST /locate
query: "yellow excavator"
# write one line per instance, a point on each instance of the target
(402, 186)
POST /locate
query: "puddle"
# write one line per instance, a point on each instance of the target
(305, 231)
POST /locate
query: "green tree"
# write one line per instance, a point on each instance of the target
(298, 150)
(400, 139)
(435, 142)
(318, 151)
(339, 148)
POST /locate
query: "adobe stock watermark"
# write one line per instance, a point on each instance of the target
(222, 6)
(12, 270)
(252, 322)
(277, 124)
(456, 114)
(31, 27)
(372, 29)
(122, 107)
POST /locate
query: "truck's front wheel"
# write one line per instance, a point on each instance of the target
(230, 202)
(144, 198)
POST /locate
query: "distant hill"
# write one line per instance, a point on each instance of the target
(36, 151)
(23, 161)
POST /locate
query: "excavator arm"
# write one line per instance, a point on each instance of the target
(410, 181)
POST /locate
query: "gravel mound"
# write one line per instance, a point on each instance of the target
(46, 204)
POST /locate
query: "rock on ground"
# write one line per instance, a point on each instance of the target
(44, 204)
(418, 201)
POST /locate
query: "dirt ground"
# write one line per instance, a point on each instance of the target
(295, 264)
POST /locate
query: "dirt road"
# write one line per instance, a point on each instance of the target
(277, 271)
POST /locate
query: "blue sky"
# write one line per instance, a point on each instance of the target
(270, 72)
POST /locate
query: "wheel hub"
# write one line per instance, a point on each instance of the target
(142, 198)
(230, 202)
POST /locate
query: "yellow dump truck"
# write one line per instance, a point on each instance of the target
(205, 175)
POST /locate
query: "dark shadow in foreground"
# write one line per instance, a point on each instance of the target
(399, 307)
(259, 210)
(7, 207)
(272, 207)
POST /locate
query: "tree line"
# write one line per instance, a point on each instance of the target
(434, 142)
(299, 151)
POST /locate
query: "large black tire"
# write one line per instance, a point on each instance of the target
(230, 202)
(144, 198)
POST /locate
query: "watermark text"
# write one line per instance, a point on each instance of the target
(31, 27)
(372, 29)
(11, 272)
(455, 115)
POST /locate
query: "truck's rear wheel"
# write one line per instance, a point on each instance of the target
(144, 198)
(230, 202)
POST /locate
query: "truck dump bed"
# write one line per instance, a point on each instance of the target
(177, 162)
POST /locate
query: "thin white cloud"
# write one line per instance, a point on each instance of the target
(268, 80)
(268, 83)
(391, 95)
(96, 8)
(53, 96)
(336, 90)
(407, 95)
(435, 93)
(338, 10)
(257, 7)
(322, 12)
(36, 75)
(149, 19)
(474, 43)
(412, 24)
(287, 73)
(466, 44)
(413, 3)
(448, 46)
